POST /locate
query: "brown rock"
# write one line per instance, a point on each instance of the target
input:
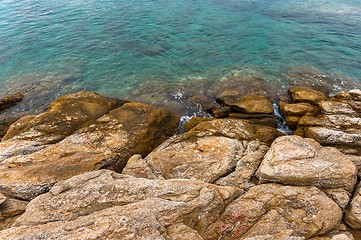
(206, 159)
(272, 211)
(194, 121)
(306, 94)
(253, 104)
(2, 198)
(292, 121)
(104, 204)
(228, 97)
(334, 137)
(298, 109)
(181, 231)
(109, 142)
(220, 112)
(10, 100)
(63, 117)
(200, 101)
(353, 212)
(263, 119)
(10, 210)
(293, 160)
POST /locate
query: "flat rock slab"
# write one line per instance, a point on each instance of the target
(272, 211)
(108, 142)
(293, 160)
(116, 206)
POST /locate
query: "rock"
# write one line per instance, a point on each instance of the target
(194, 121)
(221, 112)
(307, 95)
(272, 211)
(10, 210)
(353, 212)
(337, 125)
(108, 142)
(298, 109)
(253, 104)
(199, 101)
(10, 100)
(340, 196)
(2, 198)
(241, 177)
(293, 160)
(206, 159)
(334, 137)
(335, 235)
(104, 204)
(63, 117)
(235, 128)
(228, 97)
(6, 121)
(262, 119)
(181, 231)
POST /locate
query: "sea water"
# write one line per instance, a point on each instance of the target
(116, 47)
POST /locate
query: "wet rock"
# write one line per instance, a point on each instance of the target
(294, 160)
(298, 109)
(307, 95)
(108, 142)
(6, 121)
(63, 117)
(10, 210)
(194, 121)
(253, 104)
(262, 119)
(116, 206)
(272, 211)
(353, 212)
(199, 101)
(228, 97)
(221, 112)
(10, 100)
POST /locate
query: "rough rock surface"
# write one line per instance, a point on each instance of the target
(10, 210)
(107, 205)
(299, 161)
(10, 100)
(272, 211)
(306, 94)
(108, 142)
(63, 117)
(353, 212)
(339, 123)
(253, 104)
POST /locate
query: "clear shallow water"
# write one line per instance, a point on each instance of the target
(115, 47)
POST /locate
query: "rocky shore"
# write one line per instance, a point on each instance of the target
(91, 167)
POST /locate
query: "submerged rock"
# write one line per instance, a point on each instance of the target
(10, 100)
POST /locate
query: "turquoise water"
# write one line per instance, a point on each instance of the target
(114, 47)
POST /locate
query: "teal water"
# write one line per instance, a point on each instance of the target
(116, 46)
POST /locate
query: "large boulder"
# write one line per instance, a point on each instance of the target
(293, 160)
(108, 142)
(116, 206)
(63, 117)
(272, 211)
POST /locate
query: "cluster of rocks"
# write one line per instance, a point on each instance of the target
(91, 167)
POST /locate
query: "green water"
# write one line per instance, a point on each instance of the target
(114, 47)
